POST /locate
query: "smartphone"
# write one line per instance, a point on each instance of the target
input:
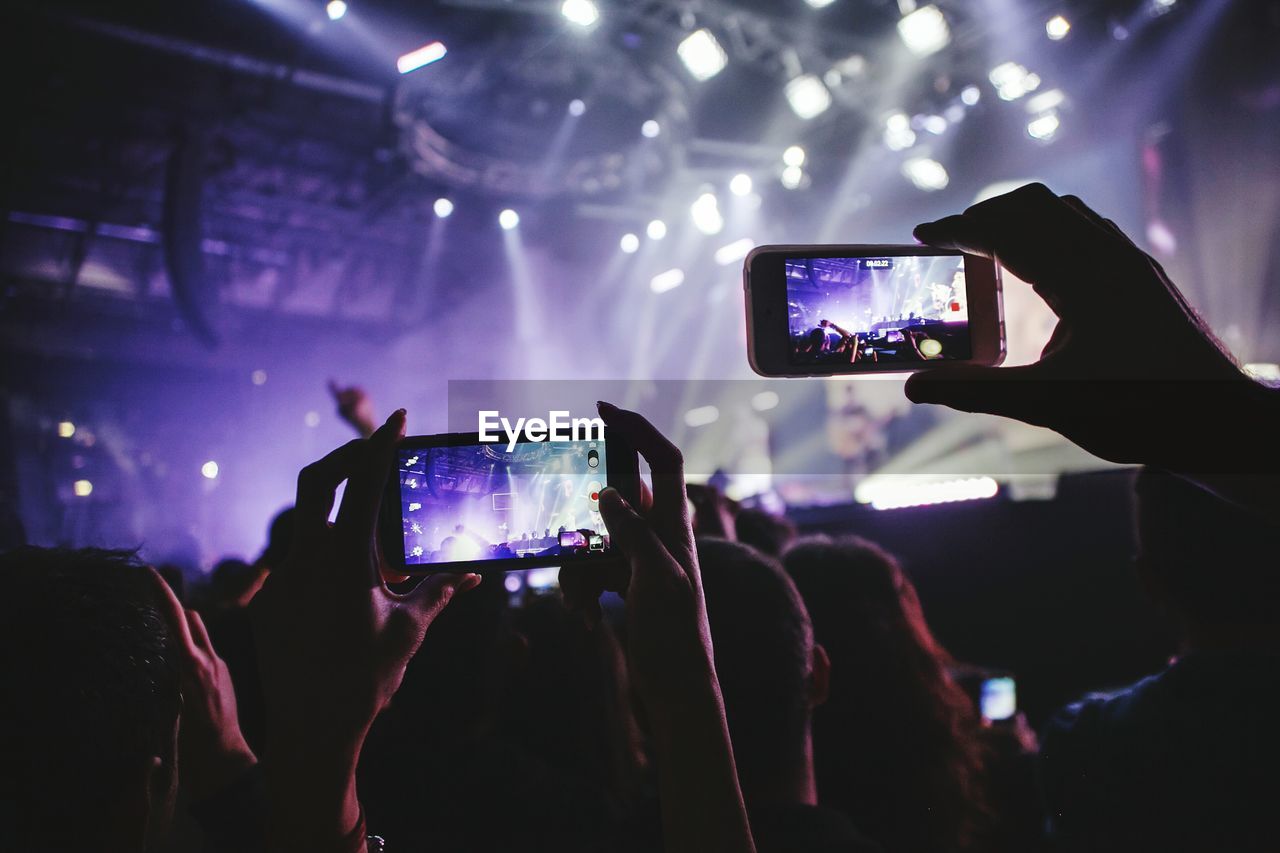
(456, 504)
(833, 310)
(998, 698)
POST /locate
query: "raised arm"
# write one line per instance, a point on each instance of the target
(669, 651)
(1131, 372)
(333, 644)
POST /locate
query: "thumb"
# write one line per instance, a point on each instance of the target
(1012, 392)
(430, 596)
(631, 533)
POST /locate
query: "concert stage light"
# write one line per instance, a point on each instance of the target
(1046, 101)
(706, 214)
(629, 243)
(1012, 80)
(664, 281)
(898, 134)
(580, 12)
(898, 492)
(807, 96)
(701, 416)
(1044, 127)
(425, 55)
(702, 55)
(335, 9)
(657, 229)
(740, 184)
(1057, 27)
(924, 31)
(925, 173)
(508, 219)
(764, 401)
(735, 251)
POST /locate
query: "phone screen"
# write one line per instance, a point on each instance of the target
(909, 308)
(999, 698)
(483, 502)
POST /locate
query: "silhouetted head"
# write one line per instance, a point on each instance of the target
(897, 745)
(767, 533)
(233, 582)
(1209, 561)
(770, 673)
(279, 539)
(89, 700)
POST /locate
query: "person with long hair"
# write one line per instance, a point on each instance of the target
(898, 743)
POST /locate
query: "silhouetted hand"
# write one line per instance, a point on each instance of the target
(212, 752)
(333, 641)
(1131, 373)
(355, 407)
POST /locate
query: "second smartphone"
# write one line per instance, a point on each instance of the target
(833, 310)
(456, 504)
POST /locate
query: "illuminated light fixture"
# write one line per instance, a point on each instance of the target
(740, 184)
(702, 55)
(792, 177)
(764, 401)
(335, 9)
(819, 4)
(650, 129)
(1161, 237)
(1057, 27)
(1264, 371)
(901, 492)
(793, 156)
(425, 55)
(82, 488)
(1012, 80)
(807, 96)
(443, 207)
(898, 134)
(657, 229)
(629, 243)
(701, 416)
(706, 214)
(1046, 101)
(577, 107)
(66, 429)
(580, 12)
(1043, 127)
(924, 31)
(937, 125)
(925, 173)
(664, 281)
(508, 219)
(209, 470)
(735, 251)
(970, 95)
(311, 419)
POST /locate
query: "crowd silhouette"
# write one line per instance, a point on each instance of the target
(756, 689)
